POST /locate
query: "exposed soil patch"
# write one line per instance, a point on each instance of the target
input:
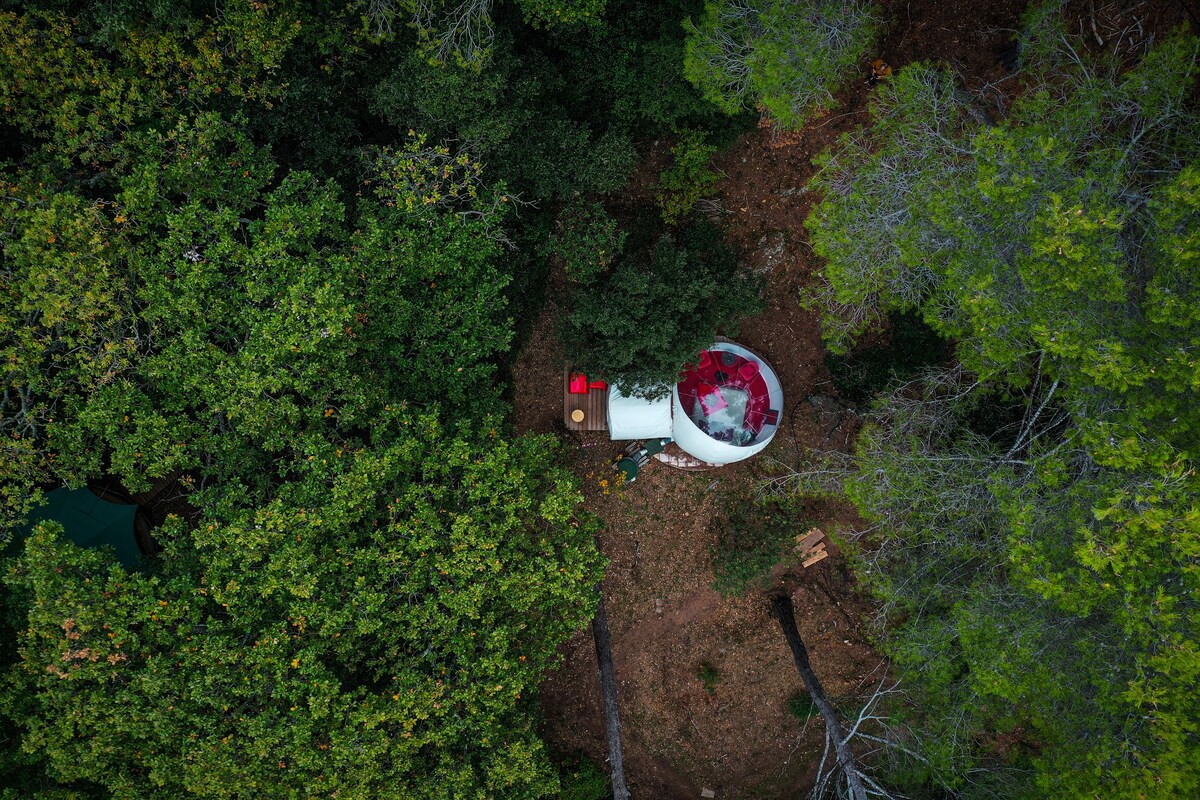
(736, 735)
(968, 35)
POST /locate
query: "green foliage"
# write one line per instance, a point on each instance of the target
(689, 177)
(486, 109)
(1035, 215)
(786, 57)
(554, 113)
(708, 676)
(80, 102)
(751, 539)
(551, 13)
(801, 706)
(587, 240)
(418, 176)
(67, 318)
(876, 242)
(263, 328)
(196, 281)
(631, 66)
(910, 346)
(370, 630)
(264, 350)
(434, 307)
(805, 53)
(584, 781)
(993, 572)
(1037, 551)
(654, 311)
(512, 119)
(718, 54)
(447, 33)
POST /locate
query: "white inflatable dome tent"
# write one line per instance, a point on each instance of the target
(725, 408)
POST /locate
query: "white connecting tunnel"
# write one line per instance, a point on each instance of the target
(637, 418)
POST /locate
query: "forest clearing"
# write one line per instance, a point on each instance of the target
(302, 493)
(741, 740)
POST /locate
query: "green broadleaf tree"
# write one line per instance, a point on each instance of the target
(640, 324)
(374, 629)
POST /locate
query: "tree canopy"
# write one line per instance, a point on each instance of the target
(655, 310)
(376, 628)
(1037, 556)
(787, 57)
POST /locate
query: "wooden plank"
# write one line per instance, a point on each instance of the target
(816, 558)
(806, 541)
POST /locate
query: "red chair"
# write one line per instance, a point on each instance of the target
(601, 385)
(578, 384)
(748, 370)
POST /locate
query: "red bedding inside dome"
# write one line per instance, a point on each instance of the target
(717, 368)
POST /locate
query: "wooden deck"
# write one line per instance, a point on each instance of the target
(594, 406)
(674, 456)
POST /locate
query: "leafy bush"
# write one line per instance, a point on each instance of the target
(709, 676)
(688, 179)
(511, 120)
(584, 780)
(653, 312)
(751, 540)
(801, 706)
(863, 372)
(587, 240)
(549, 13)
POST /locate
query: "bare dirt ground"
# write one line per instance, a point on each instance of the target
(666, 620)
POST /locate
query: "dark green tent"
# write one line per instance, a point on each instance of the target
(89, 522)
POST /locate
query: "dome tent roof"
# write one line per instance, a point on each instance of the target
(725, 408)
(89, 521)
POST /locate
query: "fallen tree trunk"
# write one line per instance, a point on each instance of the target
(782, 608)
(608, 686)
